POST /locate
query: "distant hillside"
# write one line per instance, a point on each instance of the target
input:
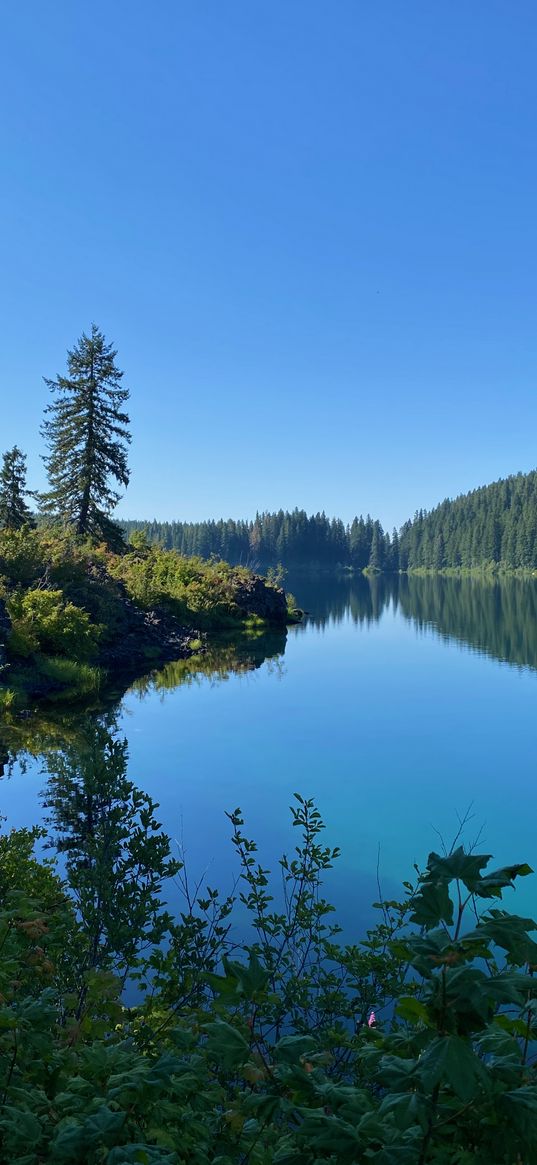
(494, 527)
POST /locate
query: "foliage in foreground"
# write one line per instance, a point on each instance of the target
(261, 1051)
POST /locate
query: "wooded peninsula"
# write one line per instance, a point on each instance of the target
(77, 603)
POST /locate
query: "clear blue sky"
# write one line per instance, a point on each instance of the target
(309, 227)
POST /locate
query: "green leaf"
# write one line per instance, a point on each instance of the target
(492, 885)
(510, 987)
(458, 865)
(432, 905)
(412, 1010)
(291, 1049)
(226, 1044)
(396, 1072)
(139, 1154)
(510, 932)
(407, 1108)
(451, 1060)
(26, 1125)
(521, 1105)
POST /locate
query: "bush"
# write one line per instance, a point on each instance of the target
(192, 589)
(43, 622)
(22, 556)
(413, 1046)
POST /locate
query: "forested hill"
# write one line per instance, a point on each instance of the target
(494, 526)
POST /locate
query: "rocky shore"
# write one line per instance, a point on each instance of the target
(134, 640)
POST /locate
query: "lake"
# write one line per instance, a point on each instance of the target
(400, 705)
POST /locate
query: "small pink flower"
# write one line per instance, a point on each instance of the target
(372, 1019)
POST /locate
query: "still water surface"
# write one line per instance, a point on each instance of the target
(397, 705)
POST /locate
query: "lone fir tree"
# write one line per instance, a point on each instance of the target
(87, 432)
(14, 511)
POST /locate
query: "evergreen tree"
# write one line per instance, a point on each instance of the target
(87, 433)
(14, 511)
(394, 559)
(376, 557)
(439, 552)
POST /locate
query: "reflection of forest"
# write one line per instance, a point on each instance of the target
(224, 656)
(113, 852)
(93, 809)
(49, 728)
(497, 617)
(328, 599)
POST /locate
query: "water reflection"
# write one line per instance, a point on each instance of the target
(343, 693)
(223, 658)
(496, 617)
(44, 730)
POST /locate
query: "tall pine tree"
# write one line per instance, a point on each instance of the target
(14, 511)
(87, 433)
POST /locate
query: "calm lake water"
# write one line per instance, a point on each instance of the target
(398, 705)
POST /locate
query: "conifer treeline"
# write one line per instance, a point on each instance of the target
(294, 539)
(494, 526)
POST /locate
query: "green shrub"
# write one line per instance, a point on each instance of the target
(42, 621)
(414, 1045)
(192, 589)
(22, 556)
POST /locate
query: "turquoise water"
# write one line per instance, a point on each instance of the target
(397, 706)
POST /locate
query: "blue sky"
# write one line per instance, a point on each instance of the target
(308, 226)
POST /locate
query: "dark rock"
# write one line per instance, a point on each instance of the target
(144, 637)
(254, 597)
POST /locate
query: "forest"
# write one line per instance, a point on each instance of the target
(493, 528)
(87, 434)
